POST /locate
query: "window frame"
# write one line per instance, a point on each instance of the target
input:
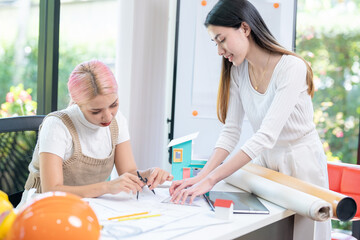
(48, 56)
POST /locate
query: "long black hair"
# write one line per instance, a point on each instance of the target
(232, 13)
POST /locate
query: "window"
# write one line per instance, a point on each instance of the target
(328, 36)
(19, 31)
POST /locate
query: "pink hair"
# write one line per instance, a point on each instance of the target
(90, 79)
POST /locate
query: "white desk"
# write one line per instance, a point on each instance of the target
(276, 225)
(244, 226)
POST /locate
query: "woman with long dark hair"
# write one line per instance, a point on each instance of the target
(273, 87)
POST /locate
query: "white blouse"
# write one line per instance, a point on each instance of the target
(284, 113)
(95, 141)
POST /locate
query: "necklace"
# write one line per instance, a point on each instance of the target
(255, 82)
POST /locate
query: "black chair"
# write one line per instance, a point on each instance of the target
(18, 136)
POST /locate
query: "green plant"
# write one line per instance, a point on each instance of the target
(18, 102)
(335, 60)
(27, 72)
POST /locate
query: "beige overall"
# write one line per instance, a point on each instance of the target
(79, 169)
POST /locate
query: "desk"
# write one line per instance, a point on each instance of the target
(276, 225)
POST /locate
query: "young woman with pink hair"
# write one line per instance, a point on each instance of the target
(79, 146)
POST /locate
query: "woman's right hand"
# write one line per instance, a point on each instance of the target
(179, 185)
(127, 182)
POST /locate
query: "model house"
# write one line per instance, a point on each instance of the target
(183, 165)
(224, 208)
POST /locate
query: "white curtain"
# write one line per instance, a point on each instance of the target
(143, 75)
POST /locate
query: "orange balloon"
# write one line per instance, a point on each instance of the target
(56, 216)
(195, 113)
(203, 3)
(276, 5)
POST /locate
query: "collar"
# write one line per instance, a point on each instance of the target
(79, 116)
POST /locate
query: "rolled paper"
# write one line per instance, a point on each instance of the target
(344, 207)
(287, 197)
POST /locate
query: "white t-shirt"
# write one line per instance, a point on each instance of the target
(95, 141)
(284, 113)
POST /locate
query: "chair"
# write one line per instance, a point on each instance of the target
(18, 136)
(345, 178)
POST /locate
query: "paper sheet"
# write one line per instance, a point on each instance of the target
(109, 205)
(181, 227)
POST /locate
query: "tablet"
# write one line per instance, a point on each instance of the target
(244, 202)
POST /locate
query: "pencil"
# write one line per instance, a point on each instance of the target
(139, 217)
(129, 215)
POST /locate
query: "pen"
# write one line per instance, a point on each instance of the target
(129, 215)
(138, 217)
(143, 180)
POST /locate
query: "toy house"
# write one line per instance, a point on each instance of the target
(183, 166)
(224, 208)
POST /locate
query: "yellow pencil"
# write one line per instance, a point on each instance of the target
(139, 217)
(129, 215)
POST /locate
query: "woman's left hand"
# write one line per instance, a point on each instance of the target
(200, 188)
(157, 176)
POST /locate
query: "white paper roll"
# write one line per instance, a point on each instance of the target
(343, 206)
(297, 201)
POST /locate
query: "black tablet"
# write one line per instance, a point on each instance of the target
(244, 202)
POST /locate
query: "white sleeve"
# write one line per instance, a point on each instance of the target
(123, 128)
(54, 137)
(230, 133)
(290, 84)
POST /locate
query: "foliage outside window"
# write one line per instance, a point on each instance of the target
(328, 36)
(12, 93)
(18, 103)
(15, 70)
(19, 30)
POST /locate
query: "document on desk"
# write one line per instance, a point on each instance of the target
(110, 206)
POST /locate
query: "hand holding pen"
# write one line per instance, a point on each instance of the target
(126, 182)
(144, 180)
(154, 177)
